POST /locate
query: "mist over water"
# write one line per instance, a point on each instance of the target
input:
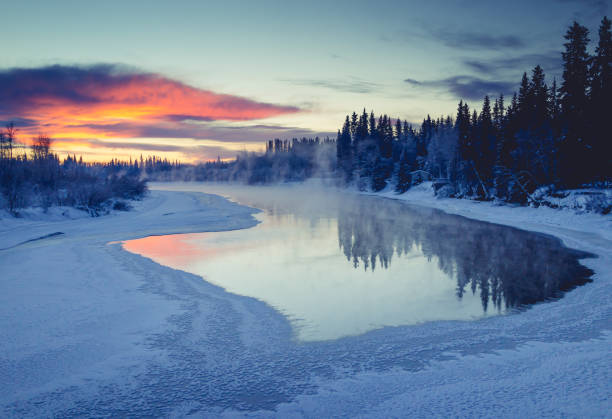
(339, 264)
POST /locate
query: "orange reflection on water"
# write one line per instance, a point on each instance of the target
(173, 249)
(182, 250)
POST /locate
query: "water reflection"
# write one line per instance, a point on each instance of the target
(338, 264)
(505, 266)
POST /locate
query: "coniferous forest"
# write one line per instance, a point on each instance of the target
(544, 135)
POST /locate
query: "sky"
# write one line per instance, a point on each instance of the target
(196, 80)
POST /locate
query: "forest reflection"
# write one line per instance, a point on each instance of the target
(508, 267)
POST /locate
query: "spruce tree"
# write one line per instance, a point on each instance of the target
(574, 154)
(538, 93)
(344, 151)
(487, 140)
(404, 177)
(554, 107)
(398, 129)
(373, 129)
(600, 108)
(524, 102)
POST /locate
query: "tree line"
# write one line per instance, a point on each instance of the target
(546, 135)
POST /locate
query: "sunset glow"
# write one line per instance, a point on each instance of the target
(198, 80)
(82, 108)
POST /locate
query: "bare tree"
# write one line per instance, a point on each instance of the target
(40, 147)
(9, 139)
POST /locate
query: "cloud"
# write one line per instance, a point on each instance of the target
(588, 8)
(95, 143)
(350, 85)
(550, 62)
(466, 87)
(470, 40)
(253, 133)
(108, 99)
(413, 82)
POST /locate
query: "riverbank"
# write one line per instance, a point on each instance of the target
(75, 311)
(89, 329)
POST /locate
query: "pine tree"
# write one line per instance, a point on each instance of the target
(353, 125)
(554, 107)
(404, 177)
(487, 140)
(538, 92)
(372, 125)
(496, 113)
(398, 129)
(499, 120)
(344, 151)
(406, 131)
(524, 103)
(539, 144)
(600, 109)
(574, 156)
(363, 126)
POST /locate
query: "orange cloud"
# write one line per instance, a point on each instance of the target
(106, 101)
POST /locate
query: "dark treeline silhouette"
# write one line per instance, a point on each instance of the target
(506, 266)
(38, 178)
(546, 135)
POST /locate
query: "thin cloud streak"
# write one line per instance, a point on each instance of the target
(198, 131)
(477, 40)
(349, 86)
(550, 62)
(465, 87)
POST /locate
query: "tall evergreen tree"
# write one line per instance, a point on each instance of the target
(487, 140)
(344, 151)
(538, 92)
(600, 107)
(554, 106)
(574, 156)
(398, 129)
(524, 102)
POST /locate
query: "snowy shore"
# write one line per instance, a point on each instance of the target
(89, 329)
(75, 309)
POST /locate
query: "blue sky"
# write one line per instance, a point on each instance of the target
(326, 59)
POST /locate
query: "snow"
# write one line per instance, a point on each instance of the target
(91, 330)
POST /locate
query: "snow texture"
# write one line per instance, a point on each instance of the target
(91, 330)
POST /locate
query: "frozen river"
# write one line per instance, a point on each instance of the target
(339, 264)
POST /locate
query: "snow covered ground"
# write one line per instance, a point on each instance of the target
(91, 330)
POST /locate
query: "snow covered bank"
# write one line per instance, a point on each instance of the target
(75, 310)
(91, 330)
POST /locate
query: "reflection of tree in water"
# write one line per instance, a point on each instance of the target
(509, 267)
